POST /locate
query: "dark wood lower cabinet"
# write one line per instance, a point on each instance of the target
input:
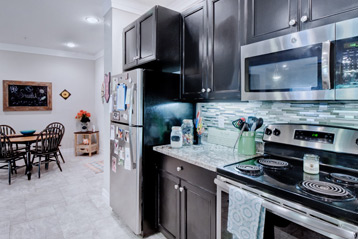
(197, 212)
(186, 200)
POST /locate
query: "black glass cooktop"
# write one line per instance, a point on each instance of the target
(333, 191)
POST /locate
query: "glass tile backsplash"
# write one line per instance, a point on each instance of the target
(341, 114)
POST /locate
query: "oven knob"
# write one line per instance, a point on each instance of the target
(276, 132)
(268, 131)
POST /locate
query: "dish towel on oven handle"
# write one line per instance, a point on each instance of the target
(246, 219)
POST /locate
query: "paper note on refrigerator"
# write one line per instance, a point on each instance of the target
(127, 162)
(121, 97)
(114, 165)
(112, 132)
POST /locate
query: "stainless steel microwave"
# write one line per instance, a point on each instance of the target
(298, 66)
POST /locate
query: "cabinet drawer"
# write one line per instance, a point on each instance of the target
(196, 175)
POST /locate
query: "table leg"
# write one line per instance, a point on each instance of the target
(29, 164)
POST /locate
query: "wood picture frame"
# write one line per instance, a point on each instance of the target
(27, 96)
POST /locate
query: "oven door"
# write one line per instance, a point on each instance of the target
(347, 60)
(291, 67)
(283, 219)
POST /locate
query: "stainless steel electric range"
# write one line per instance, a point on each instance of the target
(299, 205)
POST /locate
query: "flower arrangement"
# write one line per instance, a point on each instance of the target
(83, 116)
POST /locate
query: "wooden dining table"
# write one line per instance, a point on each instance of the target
(27, 141)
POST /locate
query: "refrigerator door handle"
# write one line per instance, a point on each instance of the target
(134, 88)
(133, 163)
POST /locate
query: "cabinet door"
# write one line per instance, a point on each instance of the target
(168, 203)
(198, 213)
(147, 36)
(130, 46)
(224, 50)
(268, 19)
(322, 12)
(194, 51)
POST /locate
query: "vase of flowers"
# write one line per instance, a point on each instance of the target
(84, 117)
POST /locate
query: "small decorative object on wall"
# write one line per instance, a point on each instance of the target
(107, 84)
(27, 96)
(84, 117)
(65, 94)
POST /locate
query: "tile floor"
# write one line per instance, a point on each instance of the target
(59, 205)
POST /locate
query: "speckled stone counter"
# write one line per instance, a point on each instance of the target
(208, 156)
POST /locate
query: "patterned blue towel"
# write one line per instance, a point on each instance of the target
(246, 215)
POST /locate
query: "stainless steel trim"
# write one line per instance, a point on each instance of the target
(344, 142)
(347, 94)
(326, 65)
(303, 38)
(347, 29)
(321, 223)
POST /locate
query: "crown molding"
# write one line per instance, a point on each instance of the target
(182, 5)
(126, 5)
(45, 51)
(99, 55)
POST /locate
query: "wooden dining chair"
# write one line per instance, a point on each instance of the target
(8, 156)
(61, 127)
(6, 129)
(46, 148)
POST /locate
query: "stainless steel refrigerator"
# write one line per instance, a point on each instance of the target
(145, 107)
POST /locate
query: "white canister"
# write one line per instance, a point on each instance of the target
(311, 163)
(176, 137)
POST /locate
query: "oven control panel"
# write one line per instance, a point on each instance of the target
(314, 136)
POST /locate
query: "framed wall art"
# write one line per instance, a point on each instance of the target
(27, 96)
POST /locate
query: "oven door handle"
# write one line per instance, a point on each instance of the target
(326, 65)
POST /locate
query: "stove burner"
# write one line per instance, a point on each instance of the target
(252, 170)
(344, 178)
(325, 190)
(273, 163)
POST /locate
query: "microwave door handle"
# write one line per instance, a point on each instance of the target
(326, 65)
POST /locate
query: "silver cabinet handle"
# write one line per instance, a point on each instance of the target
(208, 90)
(203, 90)
(292, 22)
(181, 189)
(176, 186)
(179, 169)
(304, 18)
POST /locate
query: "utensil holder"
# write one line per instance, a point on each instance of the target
(247, 144)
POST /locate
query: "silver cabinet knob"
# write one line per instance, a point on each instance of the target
(181, 189)
(176, 186)
(304, 18)
(208, 90)
(179, 169)
(203, 90)
(292, 22)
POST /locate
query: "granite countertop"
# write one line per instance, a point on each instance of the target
(208, 156)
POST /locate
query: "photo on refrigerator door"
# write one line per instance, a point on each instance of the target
(114, 165)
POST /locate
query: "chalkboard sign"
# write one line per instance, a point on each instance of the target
(27, 95)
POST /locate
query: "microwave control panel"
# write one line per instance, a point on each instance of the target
(347, 58)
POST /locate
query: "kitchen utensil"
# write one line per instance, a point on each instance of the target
(259, 123)
(238, 123)
(250, 121)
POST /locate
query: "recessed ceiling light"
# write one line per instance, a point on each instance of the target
(70, 44)
(92, 20)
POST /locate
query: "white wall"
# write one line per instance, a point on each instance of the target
(75, 75)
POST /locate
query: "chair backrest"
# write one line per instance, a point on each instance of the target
(6, 149)
(6, 129)
(49, 140)
(56, 125)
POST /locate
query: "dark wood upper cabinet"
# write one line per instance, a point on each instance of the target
(130, 45)
(268, 19)
(211, 51)
(224, 50)
(316, 13)
(194, 51)
(153, 41)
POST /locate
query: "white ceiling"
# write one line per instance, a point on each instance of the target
(47, 25)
